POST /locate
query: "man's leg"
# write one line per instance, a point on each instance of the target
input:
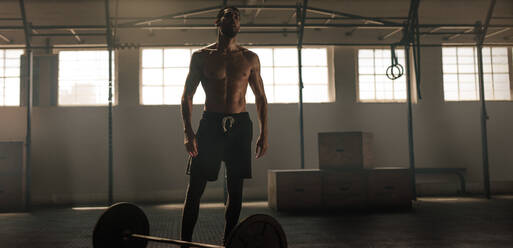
(234, 204)
(191, 206)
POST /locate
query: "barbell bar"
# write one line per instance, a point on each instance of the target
(124, 225)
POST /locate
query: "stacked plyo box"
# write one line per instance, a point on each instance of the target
(345, 179)
(342, 159)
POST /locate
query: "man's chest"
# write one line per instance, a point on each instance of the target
(220, 67)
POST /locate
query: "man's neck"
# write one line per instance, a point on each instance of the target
(225, 44)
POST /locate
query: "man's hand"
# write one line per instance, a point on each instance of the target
(191, 145)
(261, 146)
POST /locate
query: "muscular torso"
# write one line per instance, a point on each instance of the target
(225, 79)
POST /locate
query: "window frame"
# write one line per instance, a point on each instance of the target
(331, 94)
(141, 71)
(115, 74)
(509, 50)
(15, 47)
(372, 101)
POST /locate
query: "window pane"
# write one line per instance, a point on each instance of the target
(367, 95)
(466, 68)
(366, 53)
(12, 92)
(199, 96)
(175, 76)
(500, 59)
(12, 72)
(449, 60)
(315, 93)
(286, 75)
(265, 55)
(314, 57)
(450, 68)
(10, 53)
(381, 65)
(173, 94)
(465, 51)
(500, 68)
(177, 57)
(152, 77)
(497, 51)
(152, 58)
(366, 86)
(315, 75)
(285, 57)
(501, 81)
(267, 75)
(286, 93)
(2, 103)
(152, 95)
(366, 66)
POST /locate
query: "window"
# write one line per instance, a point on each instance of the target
(279, 70)
(373, 84)
(10, 77)
(460, 73)
(164, 72)
(84, 78)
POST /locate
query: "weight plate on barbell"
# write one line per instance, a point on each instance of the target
(258, 230)
(117, 223)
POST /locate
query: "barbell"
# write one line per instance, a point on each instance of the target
(124, 225)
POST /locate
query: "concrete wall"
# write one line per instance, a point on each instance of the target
(69, 159)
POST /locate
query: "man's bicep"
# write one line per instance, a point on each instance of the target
(255, 79)
(191, 84)
(193, 77)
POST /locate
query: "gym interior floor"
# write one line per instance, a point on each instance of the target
(433, 222)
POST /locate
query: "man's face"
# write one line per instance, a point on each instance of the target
(229, 23)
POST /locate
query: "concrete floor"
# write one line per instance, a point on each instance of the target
(433, 222)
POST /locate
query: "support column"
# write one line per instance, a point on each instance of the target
(28, 138)
(300, 17)
(111, 155)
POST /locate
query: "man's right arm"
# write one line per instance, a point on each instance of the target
(191, 84)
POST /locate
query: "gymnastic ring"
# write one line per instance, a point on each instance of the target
(391, 74)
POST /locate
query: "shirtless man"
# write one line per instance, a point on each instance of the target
(225, 131)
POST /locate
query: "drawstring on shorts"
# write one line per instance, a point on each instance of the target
(225, 120)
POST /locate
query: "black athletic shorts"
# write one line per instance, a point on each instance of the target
(223, 137)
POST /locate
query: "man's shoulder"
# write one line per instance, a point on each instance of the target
(248, 53)
(206, 50)
(245, 50)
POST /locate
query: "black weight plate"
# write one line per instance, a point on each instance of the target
(117, 223)
(258, 230)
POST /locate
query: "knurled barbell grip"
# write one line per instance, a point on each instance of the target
(174, 241)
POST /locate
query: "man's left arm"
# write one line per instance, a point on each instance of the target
(257, 86)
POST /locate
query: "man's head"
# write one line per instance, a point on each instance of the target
(228, 21)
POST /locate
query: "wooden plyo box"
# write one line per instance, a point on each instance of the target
(344, 189)
(294, 189)
(390, 187)
(345, 150)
